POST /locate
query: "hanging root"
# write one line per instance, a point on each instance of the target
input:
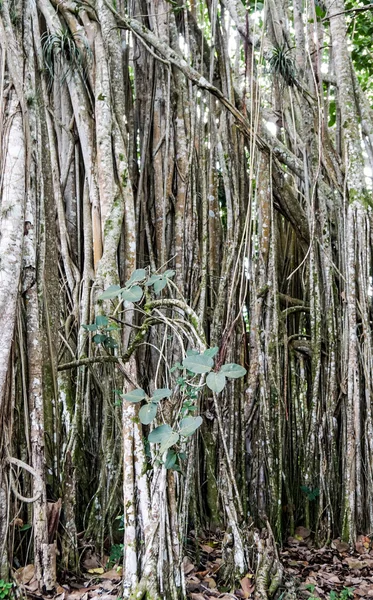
(22, 465)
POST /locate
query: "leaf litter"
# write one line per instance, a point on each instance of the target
(309, 572)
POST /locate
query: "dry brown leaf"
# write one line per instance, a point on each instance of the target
(188, 566)
(247, 587)
(112, 574)
(354, 563)
(60, 589)
(340, 546)
(53, 515)
(293, 541)
(33, 585)
(202, 574)
(302, 532)
(207, 549)
(91, 560)
(334, 579)
(209, 582)
(197, 597)
(25, 574)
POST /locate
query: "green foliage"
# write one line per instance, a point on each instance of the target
(344, 594)
(5, 589)
(281, 63)
(103, 329)
(311, 493)
(216, 382)
(147, 413)
(194, 365)
(361, 29)
(132, 291)
(135, 395)
(116, 555)
(62, 45)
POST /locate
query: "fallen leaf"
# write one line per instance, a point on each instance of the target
(209, 582)
(25, 574)
(247, 587)
(112, 574)
(188, 567)
(354, 563)
(302, 532)
(340, 546)
(197, 597)
(207, 549)
(96, 571)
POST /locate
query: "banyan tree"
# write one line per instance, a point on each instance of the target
(179, 180)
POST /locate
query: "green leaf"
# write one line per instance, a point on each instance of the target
(170, 441)
(319, 11)
(233, 371)
(160, 285)
(216, 382)
(189, 425)
(111, 292)
(135, 395)
(99, 338)
(110, 342)
(159, 434)
(153, 279)
(169, 273)
(147, 413)
(101, 321)
(211, 352)
(163, 435)
(170, 459)
(90, 327)
(198, 363)
(25, 527)
(192, 352)
(138, 275)
(133, 294)
(160, 394)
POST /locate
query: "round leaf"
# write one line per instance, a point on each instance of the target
(138, 275)
(153, 279)
(111, 292)
(147, 413)
(189, 425)
(160, 284)
(170, 441)
(198, 363)
(160, 394)
(233, 371)
(160, 434)
(170, 459)
(216, 382)
(92, 327)
(99, 338)
(135, 395)
(101, 321)
(133, 294)
(211, 352)
(169, 273)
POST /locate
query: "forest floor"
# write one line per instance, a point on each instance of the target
(334, 572)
